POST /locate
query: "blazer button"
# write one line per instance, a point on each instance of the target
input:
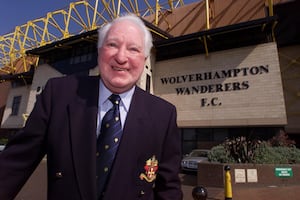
(142, 193)
(58, 175)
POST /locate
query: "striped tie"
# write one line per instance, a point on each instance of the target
(107, 143)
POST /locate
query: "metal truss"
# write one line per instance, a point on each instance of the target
(78, 17)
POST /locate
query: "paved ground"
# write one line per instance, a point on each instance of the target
(35, 189)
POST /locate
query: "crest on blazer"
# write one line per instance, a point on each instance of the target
(150, 170)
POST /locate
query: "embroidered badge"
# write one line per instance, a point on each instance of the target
(150, 170)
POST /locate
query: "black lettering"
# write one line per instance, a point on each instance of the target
(226, 74)
(227, 87)
(181, 77)
(187, 91)
(214, 101)
(180, 91)
(195, 89)
(245, 71)
(192, 77)
(216, 75)
(203, 102)
(236, 86)
(207, 76)
(219, 88)
(172, 80)
(210, 88)
(164, 80)
(254, 70)
(264, 69)
(203, 88)
(198, 77)
(236, 71)
(245, 85)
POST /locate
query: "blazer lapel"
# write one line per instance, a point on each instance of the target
(83, 122)
(136, 120)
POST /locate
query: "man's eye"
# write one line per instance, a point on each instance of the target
(111, 44)
(134, 49)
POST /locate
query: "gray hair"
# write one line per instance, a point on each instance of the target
(102, 32)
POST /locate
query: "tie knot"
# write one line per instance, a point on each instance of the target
(115, 99)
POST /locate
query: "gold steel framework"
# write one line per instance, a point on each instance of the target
(78, 17)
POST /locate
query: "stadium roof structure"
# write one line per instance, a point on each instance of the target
(222, 38)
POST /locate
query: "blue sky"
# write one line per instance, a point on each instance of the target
(18, 12)
(14, 13)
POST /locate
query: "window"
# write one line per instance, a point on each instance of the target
(82, 54)
(16, 105)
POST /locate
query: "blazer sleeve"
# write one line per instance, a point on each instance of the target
(168, 184)
(25, 150)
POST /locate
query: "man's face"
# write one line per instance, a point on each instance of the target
(121, 58)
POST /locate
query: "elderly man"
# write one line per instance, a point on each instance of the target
(105, 138)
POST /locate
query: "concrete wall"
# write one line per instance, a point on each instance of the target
(15, 121)
(4, 91)
(235, 87)
(28, 93)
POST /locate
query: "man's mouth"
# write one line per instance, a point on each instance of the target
(119, 68)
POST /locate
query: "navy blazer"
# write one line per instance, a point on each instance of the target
(63, 126)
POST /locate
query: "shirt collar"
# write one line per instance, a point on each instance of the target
(125, 97)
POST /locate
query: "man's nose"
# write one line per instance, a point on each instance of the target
(121, 55)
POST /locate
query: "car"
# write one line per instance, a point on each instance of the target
(190, 162)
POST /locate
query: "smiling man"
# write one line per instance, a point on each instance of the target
(122, 54)
(73, 121)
